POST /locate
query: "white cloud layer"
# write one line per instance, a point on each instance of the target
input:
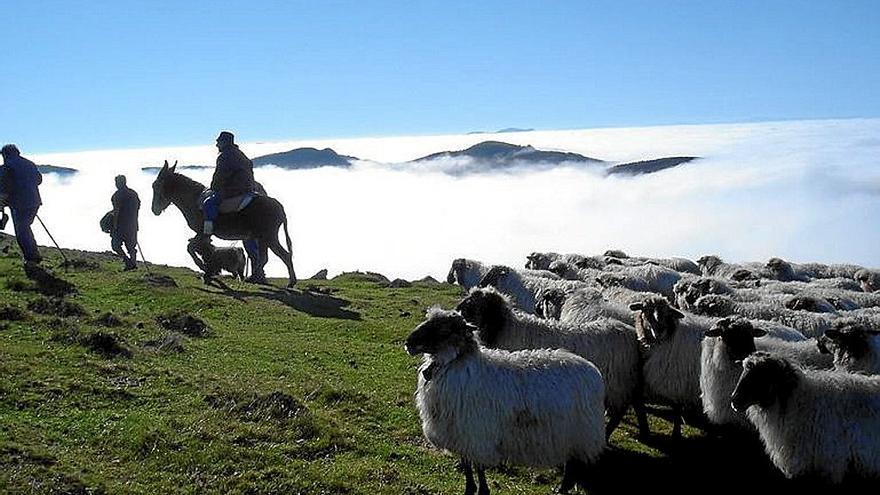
(799, 190)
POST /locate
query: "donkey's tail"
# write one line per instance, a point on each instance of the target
(286, 233)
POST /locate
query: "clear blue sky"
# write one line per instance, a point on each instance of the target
(102, 74)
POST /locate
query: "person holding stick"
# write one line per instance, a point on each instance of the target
(19, 189)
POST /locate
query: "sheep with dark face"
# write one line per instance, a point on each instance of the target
(689, 289)
(468, 273)
(217, 259)
(609, 344)
(542, 261)
(581, 306)
(809, 324)
(854, 345)
(714, 266)
(671, 361)
(812, 422)
(779, 269)
(492, 407)
(730, 341)
(809, 303)
(569, 271)
(523, 289)
(869, 280)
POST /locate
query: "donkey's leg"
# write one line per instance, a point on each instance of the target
(286, 257)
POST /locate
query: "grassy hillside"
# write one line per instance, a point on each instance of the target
(113, 390)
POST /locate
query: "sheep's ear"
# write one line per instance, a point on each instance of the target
(833, 334)
(637, 306)
(713, 332)
(676, 313)
(758, 332)
(724, 322)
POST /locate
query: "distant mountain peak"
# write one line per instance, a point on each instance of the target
(500, 154)
(305, 158)
(649, 166)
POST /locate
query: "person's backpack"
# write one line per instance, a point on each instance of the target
(107, 222)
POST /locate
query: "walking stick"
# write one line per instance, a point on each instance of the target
(146, 265)
(53, 240)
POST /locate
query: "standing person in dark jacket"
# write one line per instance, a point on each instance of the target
(233, 176)
(126, 205)
(20, 191)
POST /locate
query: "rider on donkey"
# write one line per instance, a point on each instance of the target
(234, 176)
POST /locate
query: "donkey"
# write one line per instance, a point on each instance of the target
(260, 220)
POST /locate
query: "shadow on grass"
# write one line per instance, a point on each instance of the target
(313, 304)
(724, 461)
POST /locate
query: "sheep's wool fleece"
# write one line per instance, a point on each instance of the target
(608, 344)
(718, 377)
(534, 408)
(829, 425)
(672, 367)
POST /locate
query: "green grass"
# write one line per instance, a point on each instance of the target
(288, 393)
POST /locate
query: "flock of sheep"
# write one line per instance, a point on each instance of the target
(538, 366)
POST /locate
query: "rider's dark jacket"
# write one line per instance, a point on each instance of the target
(234, 174)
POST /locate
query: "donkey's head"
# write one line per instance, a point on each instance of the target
(160, 186)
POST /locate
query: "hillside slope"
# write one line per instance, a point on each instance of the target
(117, 388)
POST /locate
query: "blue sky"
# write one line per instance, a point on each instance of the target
(117, 74)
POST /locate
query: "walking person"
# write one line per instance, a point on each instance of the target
(126, 205)
(19, 189)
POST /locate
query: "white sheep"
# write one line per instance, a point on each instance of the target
(468, 273)
(730, 341)
(689, 289)
(523, 289)
(542, 261)
(809, 324)
(492, 407)
(812, 422)
(854, 346)
(581, 306)
(671, 364)
(716, 267)
(609, 344)
(869, 280)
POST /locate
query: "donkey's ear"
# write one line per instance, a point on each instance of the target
(173, 167)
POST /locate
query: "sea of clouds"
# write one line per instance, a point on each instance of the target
(805, 191)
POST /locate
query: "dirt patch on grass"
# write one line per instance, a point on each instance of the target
(48, 283)
(184, 323)
(9, 312)
(105, 344)
(108, 319)
(170, 344)
(55, 306)
(161, 281)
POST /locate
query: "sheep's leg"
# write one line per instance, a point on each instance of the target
(642, 419)
(571, 475)
(481, 475)
(676, 422)
(470, 488)
(614, 419)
